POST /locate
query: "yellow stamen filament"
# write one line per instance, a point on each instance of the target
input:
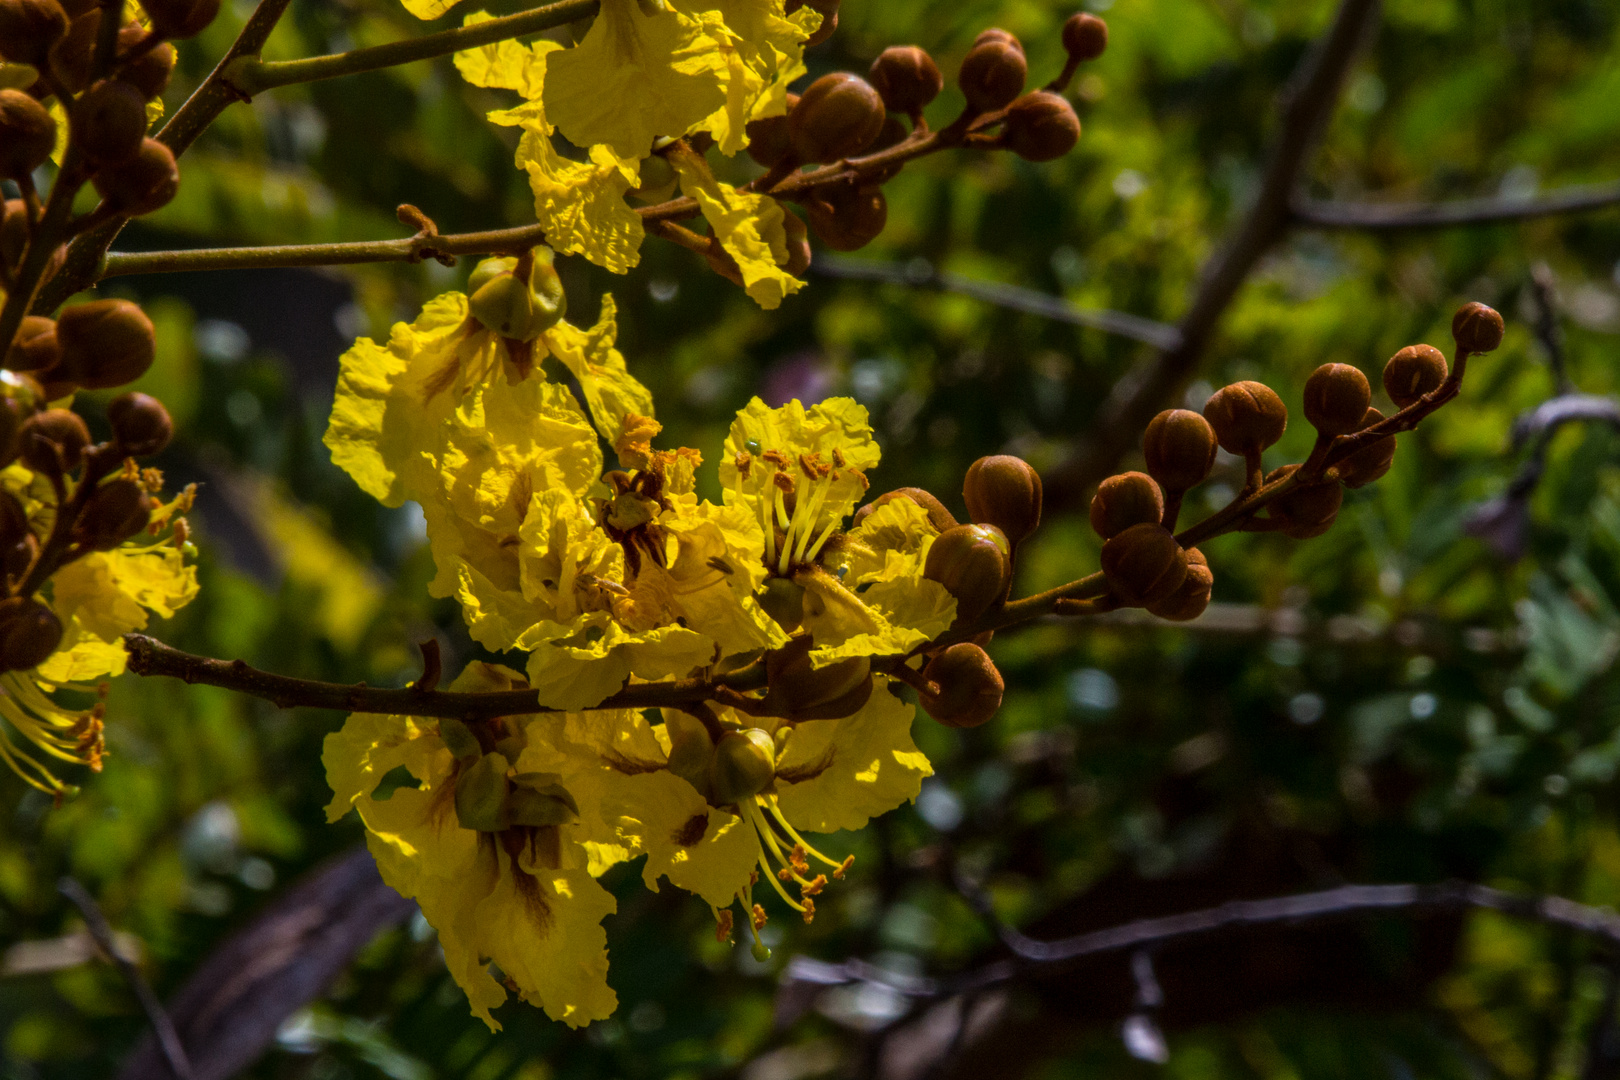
(803, 847)
(752, 814)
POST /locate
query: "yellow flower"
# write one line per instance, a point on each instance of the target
(763, 52)
(491, 845)
(748, 226)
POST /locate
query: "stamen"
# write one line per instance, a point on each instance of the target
(826, 534)
(844, 869)
(722, 927)
(776, 812)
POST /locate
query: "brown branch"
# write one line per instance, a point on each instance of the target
(1378, 217)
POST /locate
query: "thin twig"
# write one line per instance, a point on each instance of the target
(1543, 286)
(1376, 217)
(162, 1026)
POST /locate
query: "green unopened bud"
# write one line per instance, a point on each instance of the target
(511, 307)
(744, 765)
(481, 790)
(537, 800)
(690, 749)
(783, 600)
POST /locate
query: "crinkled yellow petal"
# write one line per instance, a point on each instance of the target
(105, 595)
(834, 429)
(567, 563)
(748, 226)
(763, 52)
(611, 393)
(505, 65)
(576, 666)
(368, 746)
(699, 848)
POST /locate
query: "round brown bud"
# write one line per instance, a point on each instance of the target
(1144, 564)
(1370, 462)
(29, 633)
(1336, 398)
(53, 441)
(1040, 127)
(1189, 601)
(1247, 417)
(116, 511)
(1004, 491)
(828, 10)
(28, 29)
(141, 184)
(1085, 36)
(938, 516)
(1179, 446)
(996, 33)
(105, 343)
(71, 56)
(140, 424)
(971, 561)
(27, 135)
(992, 74)
(970, 687)
(1477, 328)
(836, 117)
(906, 78)
(1308, 510)
(798, 691)
(1128, 499)
(847, 218)
(150, 72)
(1414, 371)
(35, 346)
(111, 119)
(55, 383)
(770, 138)
(181, 18)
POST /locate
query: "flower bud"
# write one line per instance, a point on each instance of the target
(150, 72)
(71, 55)
(970, 687)
(116, 511)
(1179, 446)
(105, 343)
(27, 135)
(829, 18)
(971, 561)
(1370, 462)
(111, 118)
(783, 600)
(1192, 597)
(797, 236)
(180, 18)
(771, 137)
(55, 383)
(1128, 499)
(690, 749)
(836, 117)
(13, 232)
(481, 789)
(1308, 510)
(1144, 564)
(1040, 127)
(1085, 36)
(992, 73)
(512, 308)
(656, 181)
(1336, 398)
(140, 424)
(143, 183)
(847, 218)
(1247, 417)
(996, 33)
(744, 765)
(1414, 371)
(938, 516)
(906, 78)
(798, 691)
(35, 347)
(28, 29)
(1004, 491)
(1476, 328)
(53, 441)
(29, 633)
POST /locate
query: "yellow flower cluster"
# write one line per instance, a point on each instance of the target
(607, 580)
(646, 72)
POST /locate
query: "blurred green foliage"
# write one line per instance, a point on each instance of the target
(1396, 702)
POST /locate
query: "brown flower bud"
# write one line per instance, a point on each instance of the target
(111, 119)
(938, 516)
(55, 383)
(116, 511)
(771, 137)
(829, 18)
(140, 424)
(1370, 462)
(150, 72)
(1476, 328)
(53, 440)
(1414, 371)
(906, 78)
(141, 184)
(1144, 564)
(1336, 398)
(35, 347)
(29, 633)
(13, 232)
(1085, 36)
(1179, 446)
(72, 54)
(971, 561)
(105, 343)
(1040, 127)
(1308, 510)
(970, 687)
(1189, 601)
(992, 74)
(836, 117)
(1004, 491)
(28, 29)
(1128, 499)
(1247, 417)
(996, 33)
(181, 18)
(847, 218)
(798, 243)
(27, 134)
(797, 691)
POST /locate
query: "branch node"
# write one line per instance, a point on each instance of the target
(432, 667)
